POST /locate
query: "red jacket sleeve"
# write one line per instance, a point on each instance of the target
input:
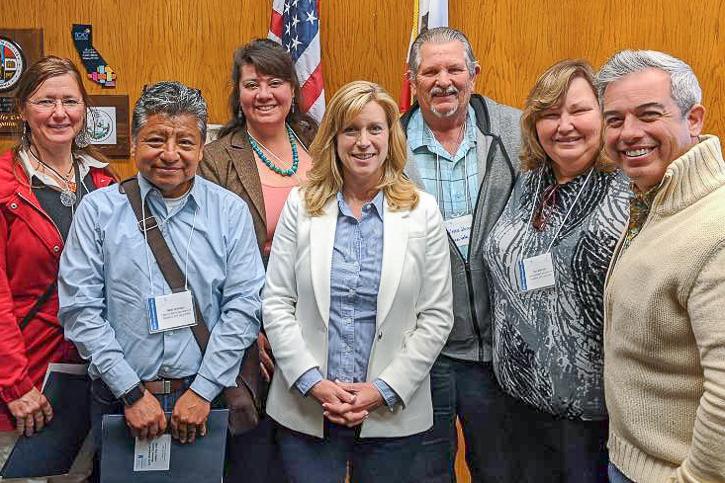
(14, 380)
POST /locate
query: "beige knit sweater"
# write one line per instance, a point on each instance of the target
(664, 331)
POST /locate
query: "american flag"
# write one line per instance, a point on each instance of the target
(296, 25)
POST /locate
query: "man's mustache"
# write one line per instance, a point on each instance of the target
(448, 91)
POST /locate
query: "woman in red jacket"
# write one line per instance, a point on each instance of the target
(42, 180)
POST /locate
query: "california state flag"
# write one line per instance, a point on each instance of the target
(427, 14)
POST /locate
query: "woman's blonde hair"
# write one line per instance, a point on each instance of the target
(324, 180)
(548, 91)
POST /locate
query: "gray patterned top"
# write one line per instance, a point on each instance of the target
(547, 344)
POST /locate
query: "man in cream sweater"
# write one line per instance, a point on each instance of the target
(664, 333)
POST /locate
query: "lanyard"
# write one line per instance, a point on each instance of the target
(439, 181)
(563, 221)
(148, 259)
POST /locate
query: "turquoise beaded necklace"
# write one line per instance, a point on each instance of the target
(268, 163)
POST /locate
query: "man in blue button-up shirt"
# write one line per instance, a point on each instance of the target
(108, 274)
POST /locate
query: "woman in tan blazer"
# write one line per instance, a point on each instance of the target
(265, 118)
(358, 301)
(261, 154)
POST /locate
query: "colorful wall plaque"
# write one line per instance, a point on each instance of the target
(19, 48)
(98, 69)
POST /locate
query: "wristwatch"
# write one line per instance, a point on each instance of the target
(133, 395)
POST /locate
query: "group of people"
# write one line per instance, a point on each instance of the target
(551, 278)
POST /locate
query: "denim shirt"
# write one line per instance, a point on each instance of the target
(104, 282)
(354, 280)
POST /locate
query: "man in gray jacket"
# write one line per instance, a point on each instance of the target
(463, 149)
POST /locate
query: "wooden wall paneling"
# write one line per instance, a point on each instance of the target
(365, 40)
(515, 41)
(148, 41)
(191, 41)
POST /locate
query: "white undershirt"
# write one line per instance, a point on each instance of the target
(85, 163)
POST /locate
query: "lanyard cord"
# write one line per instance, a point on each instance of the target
(581, 190)
(188, 245)
(439, 187)
(439, 181)
(563, 221)
(148, 259)
(533, 209)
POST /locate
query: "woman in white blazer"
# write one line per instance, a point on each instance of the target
(358, 301)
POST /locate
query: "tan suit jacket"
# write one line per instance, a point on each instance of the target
(414, 313)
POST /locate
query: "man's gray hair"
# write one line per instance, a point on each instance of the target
(169, 98)
(685, 89)
(439, 35)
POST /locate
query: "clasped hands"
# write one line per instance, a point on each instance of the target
(347, 404)
(147, 420)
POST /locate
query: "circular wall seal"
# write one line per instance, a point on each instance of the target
(12, 64)
(100, 126)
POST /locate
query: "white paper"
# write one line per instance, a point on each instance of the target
(537, 272)
(169, 312)
(460, 229)
(152, 454)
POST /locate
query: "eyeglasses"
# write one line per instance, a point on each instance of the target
(68, 104)
(546, 207)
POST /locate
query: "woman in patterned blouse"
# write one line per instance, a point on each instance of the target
(547, 256)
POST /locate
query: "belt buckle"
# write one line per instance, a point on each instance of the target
(167, 386)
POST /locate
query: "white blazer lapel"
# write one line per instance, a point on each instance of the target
(395, 243)
(322, 239)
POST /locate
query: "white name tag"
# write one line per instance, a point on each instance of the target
(153, 454)
(169, 312)
(536, 272)
(460, 229)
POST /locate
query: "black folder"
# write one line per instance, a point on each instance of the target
(199, 462)
(52, 451)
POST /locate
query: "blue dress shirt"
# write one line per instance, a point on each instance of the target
(452, 179)
(104, 281)
(357, 260)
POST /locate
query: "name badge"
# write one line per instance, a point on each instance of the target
(460, 229)
(153, 454)
(536, 273)
(169, 312)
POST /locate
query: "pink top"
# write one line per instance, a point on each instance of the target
(274, 199)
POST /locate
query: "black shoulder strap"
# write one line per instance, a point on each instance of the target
(38, 305)
(169, 268)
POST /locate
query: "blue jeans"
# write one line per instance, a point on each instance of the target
(557, 450)
(254, 457)
(371, 460)
(468, 390)
(616, 476)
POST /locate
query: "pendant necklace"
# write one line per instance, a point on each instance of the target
(68, 196)
(268, 163)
